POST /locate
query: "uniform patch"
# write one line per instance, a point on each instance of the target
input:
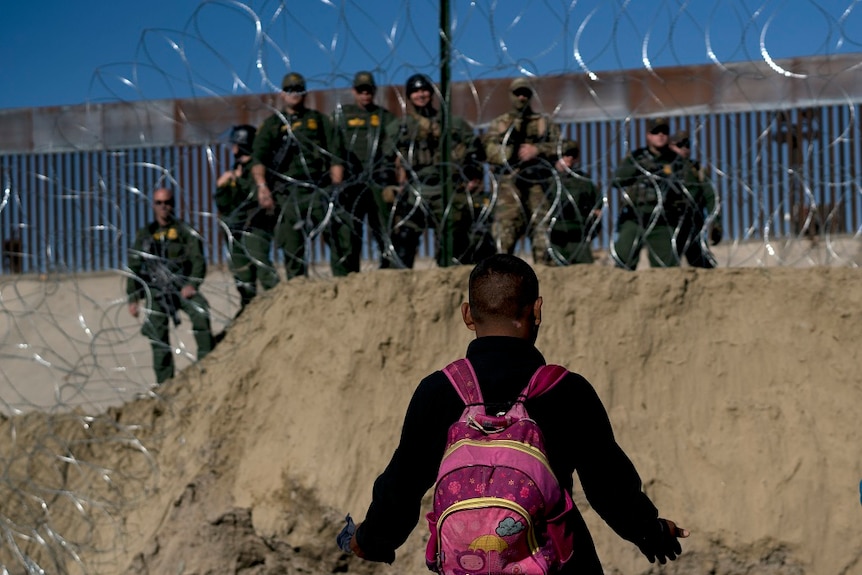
(355, 122)
(375, 120)
(170, 233)
(312, 124)
(667, 169)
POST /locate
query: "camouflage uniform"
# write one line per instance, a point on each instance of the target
(652, 201)
(357, 144)
(574, 200)
(521, 202)
(162, 260)
(248, 228)
(414, 141)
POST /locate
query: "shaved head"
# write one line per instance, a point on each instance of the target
(503, 288)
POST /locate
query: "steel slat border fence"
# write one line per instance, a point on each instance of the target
(778, 174)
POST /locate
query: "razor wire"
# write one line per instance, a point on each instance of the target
(71, 352)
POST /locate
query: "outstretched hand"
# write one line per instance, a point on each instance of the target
(662, 543)
(346, 535)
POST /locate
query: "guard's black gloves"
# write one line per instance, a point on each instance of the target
(661, 542)
(346, 535)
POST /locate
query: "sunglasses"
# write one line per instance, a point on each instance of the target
(364, 90)
(660, 130)
(169, 203)
(523, 92)
(293, 90)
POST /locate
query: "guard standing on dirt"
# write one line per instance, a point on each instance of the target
(357, 146)
(576, 209)
(167, 268)
(248, 228)
(521, 146)
(652, 181)
(413, 146)
(699, 198)
(291, 168)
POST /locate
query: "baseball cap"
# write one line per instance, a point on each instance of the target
(681, 139)
(571, 148)
(364, 79)
(521, 83)
(654, 124)
(293, 82)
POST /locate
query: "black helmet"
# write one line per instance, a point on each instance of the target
(418, 82)
(243, 137)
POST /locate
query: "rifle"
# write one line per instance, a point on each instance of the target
(160, 279)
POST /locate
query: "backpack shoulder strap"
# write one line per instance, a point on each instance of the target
(463, 378)
(545, 378)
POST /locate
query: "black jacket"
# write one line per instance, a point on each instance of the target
(578, 437)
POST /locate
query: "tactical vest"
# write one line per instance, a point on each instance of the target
(419, 143)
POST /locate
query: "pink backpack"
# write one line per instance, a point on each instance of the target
(498, 508)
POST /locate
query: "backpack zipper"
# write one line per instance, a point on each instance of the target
(507, 443)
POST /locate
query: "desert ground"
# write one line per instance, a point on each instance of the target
(735, 392)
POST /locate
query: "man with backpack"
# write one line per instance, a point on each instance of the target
(502, 363)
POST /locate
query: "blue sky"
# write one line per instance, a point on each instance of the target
(60, 52)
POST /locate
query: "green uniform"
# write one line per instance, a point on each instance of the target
(651, 206)
(248, 231)
(357, 144)
(574, 198)
(294, 149)
(415, 141)
(162, 260)
(521, 199)
(699, 197)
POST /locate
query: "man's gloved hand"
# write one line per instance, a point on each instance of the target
(347, 542)
(343, 539)
(715, 234)
(662, 541)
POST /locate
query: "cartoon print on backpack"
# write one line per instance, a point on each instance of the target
(491, 553)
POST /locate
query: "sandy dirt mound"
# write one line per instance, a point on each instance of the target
(735, 392)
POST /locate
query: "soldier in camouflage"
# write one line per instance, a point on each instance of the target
(576, 209)
(167, 268)
(652, 181)
(248, 229)
(291, 168)
(413, 145)
(357, 147)
(521, 146)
